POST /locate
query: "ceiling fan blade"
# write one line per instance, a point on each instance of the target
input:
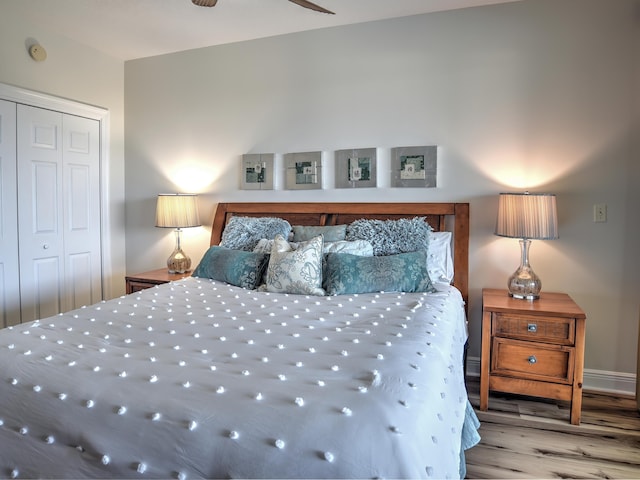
(205, 3)
(312, 6)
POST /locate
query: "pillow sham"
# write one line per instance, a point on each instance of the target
(296, 271)
(403, 272)
(355, 247)
(243, 233)
(331, 233)
(265, 245)
(362, 248)
(237, 267)
(390, 237)
(440, 260)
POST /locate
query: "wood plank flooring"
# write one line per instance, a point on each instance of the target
(523, 437)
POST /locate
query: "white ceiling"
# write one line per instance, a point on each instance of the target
(129, 29)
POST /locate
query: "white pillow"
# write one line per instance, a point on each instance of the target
(440, 260)
(265, 245)
(362, 248)
(295, 271)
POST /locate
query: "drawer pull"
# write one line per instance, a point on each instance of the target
(532, 359)
(532, 327)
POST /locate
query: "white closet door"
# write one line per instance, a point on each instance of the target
(9, 270)
(40, 212)
(81, 183)
(58, 212)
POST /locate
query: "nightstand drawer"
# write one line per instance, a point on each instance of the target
(535, 328)
(533, 361)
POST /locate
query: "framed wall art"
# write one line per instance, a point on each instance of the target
(304, 170)
(257, 171)
(356, 168)
(414, 166)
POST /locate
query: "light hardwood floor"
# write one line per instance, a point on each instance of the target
(523, 437)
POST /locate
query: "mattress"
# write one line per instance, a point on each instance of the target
(200, 379)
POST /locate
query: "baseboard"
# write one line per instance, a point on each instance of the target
(595, 380)
(611, 382)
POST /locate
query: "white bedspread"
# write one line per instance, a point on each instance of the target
(199, 379)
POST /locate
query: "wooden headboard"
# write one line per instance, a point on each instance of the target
(441, 216)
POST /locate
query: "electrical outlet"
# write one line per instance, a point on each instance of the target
(600, 212)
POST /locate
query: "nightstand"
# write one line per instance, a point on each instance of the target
(141, 281)
(532, 348)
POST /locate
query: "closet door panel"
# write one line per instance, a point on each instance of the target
(44, 191)
(40, 188)
(81, 167)
(45, 292)
(80, 269)
(9, 268)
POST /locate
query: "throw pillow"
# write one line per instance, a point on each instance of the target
(295, 271)
(243, 233)
(390, 237)
(331, 233)
(404, 272)
(237, 267)
(356, 247)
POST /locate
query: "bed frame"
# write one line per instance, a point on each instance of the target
(453, 217)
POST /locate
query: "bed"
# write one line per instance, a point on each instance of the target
(202, 378)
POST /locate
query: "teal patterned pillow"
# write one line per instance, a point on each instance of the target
(237, 267)
(295, 271)
(404, 272)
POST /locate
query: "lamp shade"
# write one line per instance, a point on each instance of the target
(177, 210)
(527, 215)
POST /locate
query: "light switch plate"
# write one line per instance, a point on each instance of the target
(600, 212)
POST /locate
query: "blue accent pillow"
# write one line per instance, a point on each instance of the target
(390, 237)
(404, 272)
(243, 233)
(237, 267)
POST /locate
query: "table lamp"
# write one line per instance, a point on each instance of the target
(177, 210)
(526, 216)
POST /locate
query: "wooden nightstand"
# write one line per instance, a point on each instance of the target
(140, 281)
(532, 348)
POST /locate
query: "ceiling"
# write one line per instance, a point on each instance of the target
(129, 29)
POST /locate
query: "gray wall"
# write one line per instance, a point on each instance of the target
(77, 72)
(539, 95)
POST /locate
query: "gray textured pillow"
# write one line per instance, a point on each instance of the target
(243, 233)
(331, 233)
(390, 237)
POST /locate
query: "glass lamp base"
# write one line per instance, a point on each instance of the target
(524, 283)
(178, 262)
